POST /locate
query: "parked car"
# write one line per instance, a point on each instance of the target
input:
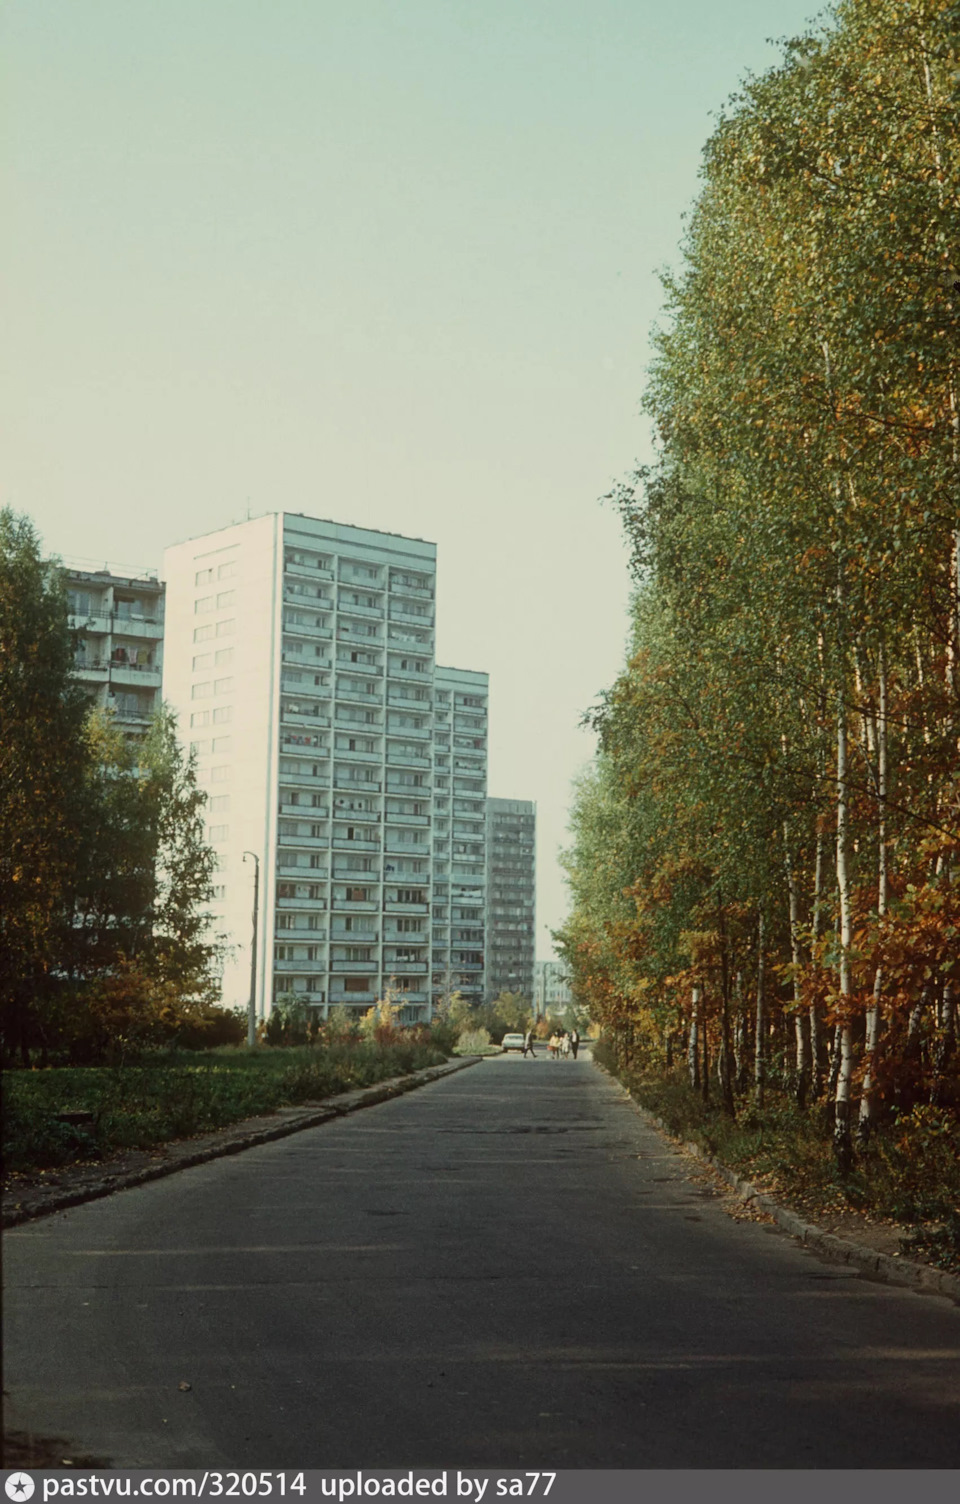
(512, 1042)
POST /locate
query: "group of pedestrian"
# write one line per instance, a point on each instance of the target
(561, 1045)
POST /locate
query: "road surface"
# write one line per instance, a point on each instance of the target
(504, 1268)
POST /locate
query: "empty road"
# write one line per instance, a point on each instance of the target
(503, 1268)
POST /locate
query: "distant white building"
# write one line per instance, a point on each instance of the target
(300, 660)
(459, 832)
(119, 653)
(551, 987)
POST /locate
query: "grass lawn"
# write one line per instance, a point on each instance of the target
(176, 1095)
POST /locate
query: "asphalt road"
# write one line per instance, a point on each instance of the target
(504, 1268)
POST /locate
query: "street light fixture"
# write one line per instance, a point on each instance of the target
(252, 1005)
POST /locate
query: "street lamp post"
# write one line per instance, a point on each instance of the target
(252, 1005)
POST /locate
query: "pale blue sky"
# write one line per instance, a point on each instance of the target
(391, 262)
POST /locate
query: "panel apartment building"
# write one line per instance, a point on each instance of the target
(300, 661)
(459, 832)
(119, 653)
(511, 896)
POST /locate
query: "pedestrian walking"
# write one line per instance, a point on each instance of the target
(528, 1045)
(574, 1042)
(554, 1045)
(565, 1045)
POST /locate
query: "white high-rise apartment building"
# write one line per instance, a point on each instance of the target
(299, 659)
(459, 832)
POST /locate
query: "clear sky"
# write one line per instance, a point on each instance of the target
(390, 262)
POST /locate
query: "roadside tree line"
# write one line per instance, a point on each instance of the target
(105, 875)
(765, 866)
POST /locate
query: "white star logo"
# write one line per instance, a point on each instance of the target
(19, 1486)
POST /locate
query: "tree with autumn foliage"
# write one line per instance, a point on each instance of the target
(765, 868)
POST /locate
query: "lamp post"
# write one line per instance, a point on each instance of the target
(252, 1005)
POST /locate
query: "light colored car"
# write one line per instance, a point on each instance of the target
(512, 1042)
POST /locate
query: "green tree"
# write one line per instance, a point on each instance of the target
(42, 762)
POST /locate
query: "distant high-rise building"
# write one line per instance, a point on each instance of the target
(119, 652)
(461, 699)
(551, 990)
(511, 896)
(300, 660)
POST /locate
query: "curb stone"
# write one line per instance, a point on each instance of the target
(884, 1267)
(232, 1139)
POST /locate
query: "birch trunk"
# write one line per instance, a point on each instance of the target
(841, 1122)
(868, 1104)
(800, 1037)
(759, 1052)
(693, 1045)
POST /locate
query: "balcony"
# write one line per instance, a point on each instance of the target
(355, 968)
(305, 628)
(354, 843)
(393, 817)
(136, 675)
(400, 612)
(301, 903)
(138, 717)
(304, 843)
(369, 613)
(305, 811)
(100, 623)
(301, 777)
(91, 672)
(372, 698)
(365, 757)
(407, 759)
(347, 785)
(409, 702)
(314, 599)
(306, 571)
(421, 592)
(292, 870)
(345, 666)
(137, 626)
(355, 906)
(410, 968)
(411, 675)
(297, 660)
(288, 966)
(391, 906)
(308, 718)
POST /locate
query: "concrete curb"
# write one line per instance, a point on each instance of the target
(233, 1140)
(884, 1267)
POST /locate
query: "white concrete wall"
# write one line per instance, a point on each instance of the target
(237, 748)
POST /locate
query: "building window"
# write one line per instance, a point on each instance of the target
(200, 691)
(203, 576)
(203, 603)
(226, 598)
(222, 686)
(227, 571)
(226, 628)
(202, 660)
(201, 634)
(200, 718)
